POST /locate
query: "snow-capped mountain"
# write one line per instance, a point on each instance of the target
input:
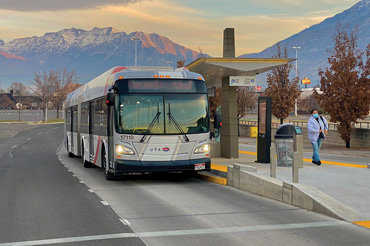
(316, 40)
(89, 52)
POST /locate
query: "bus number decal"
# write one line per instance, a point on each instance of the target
(127, 137)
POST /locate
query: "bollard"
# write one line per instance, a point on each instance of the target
(272, 161)
(296, 157)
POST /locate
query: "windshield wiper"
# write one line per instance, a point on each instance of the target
(156, 118)
(177, 125)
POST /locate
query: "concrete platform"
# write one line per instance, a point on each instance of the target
(335, 189)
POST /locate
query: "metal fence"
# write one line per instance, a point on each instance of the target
(332, 126)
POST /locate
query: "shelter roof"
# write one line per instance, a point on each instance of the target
(214, 69)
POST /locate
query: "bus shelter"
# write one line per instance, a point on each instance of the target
(217, 71)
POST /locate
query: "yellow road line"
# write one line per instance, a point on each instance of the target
(362, 223)
(247, 152)
(309, 160)
(339, 164)
(218, 167)
(213, 179)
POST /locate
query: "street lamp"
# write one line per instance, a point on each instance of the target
(169, 63)
(296, 60)
(135, 39)
(296, 75)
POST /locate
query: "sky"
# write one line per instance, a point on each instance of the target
(195, 24)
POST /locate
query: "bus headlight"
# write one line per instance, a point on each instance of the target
(122, 150)
(202, 149)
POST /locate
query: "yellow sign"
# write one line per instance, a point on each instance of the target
(306, 81)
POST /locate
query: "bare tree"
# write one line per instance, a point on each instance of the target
(5, 102)
(180, 63)
(61, 82)
(43, 88)
(19, 92)
(1, 89)
(246, 100)
(282, 90)
(215, 101)
(345, 84)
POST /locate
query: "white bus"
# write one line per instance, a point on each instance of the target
(140, 120)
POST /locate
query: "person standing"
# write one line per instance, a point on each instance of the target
(317, 128)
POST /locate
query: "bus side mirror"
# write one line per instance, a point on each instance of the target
(217, 121)
(110, 99)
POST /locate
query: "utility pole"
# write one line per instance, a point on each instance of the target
(135, 39)
(296, 75)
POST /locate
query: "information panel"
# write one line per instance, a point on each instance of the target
(242, 81)
(264, 130)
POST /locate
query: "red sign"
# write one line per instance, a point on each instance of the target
(258, 88)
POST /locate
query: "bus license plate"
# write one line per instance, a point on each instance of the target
(201, 166)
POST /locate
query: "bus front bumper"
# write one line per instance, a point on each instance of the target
(126, 166)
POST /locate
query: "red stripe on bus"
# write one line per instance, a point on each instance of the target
(97, 151)
(116, 70)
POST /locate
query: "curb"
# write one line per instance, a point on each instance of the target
(208, 176)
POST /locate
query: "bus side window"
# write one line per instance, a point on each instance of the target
(97, 116)
(85, 117)
(104, 118)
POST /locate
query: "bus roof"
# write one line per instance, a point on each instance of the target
(98, 87)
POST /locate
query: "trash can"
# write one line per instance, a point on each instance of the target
(253, 131)
(284, 145)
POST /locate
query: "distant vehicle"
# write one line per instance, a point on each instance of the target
(140, 120)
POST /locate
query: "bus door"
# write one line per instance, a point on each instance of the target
(91, 130)
(73, 127)
(69, 120)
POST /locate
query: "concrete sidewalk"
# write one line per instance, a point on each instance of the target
(348, 185)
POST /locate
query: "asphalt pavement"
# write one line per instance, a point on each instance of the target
(41, 202)
(48, 198)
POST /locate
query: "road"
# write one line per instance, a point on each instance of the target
(49, 198)
(41, 200)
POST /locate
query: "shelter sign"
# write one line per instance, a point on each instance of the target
(242, 81)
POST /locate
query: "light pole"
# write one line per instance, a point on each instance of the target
(135, 39)
(169, 63)
(296, 75)
(296, 60)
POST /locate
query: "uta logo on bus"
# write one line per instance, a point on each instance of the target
(165, 149)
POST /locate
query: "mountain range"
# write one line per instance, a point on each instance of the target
(95, 51)
(89, 52)
(316, 40)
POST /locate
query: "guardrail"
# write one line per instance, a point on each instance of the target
(332, 126)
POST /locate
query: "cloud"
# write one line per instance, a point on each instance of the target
(57, 5)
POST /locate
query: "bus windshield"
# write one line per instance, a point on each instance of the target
(162, 114)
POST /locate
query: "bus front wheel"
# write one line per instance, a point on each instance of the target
(108, 175)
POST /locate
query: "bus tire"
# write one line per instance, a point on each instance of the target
(108, 175)
(84, 161)
(70, 154)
